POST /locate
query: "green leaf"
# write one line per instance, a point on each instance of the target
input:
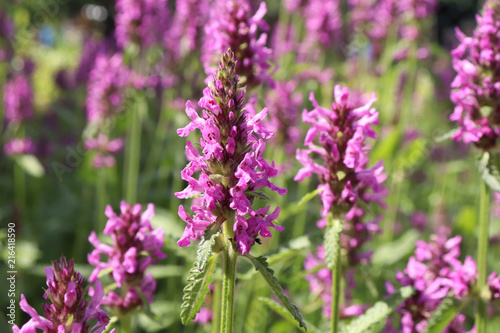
(197, 289)
(267, 273)
(308, 197)
(30, 164)
(332, 241)
(444, 314)
(278, 308)
(205, 248)
(391, 253)
(378, 312)
(446, 136)
(489, 172)
(257, 194)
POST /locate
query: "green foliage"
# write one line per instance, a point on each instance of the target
(196, 289)
(267, 273)
(30, 164)
(489, 171)
(378, 312)
(444, 314)
(390, 253)
(332, 241)
(278, 308)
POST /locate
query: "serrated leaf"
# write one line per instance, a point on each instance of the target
(30, 164)
(278, 308)
(205, 248)
(489, 172)
(444, 314)
(332, 241)
(196, 289)
(446, 136)
(267, 273)
(378, 312)
(257, 194)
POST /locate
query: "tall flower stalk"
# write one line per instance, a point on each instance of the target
(231, 172)
(476, 96)
(346, 181)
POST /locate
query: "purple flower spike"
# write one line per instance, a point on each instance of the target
(135, 246)
(231, 167)
(345, 177)
(476, 91)
(140, 21)
(18, 99)
(105, 89)
(233, 26)
(435, 272)
(67, 310)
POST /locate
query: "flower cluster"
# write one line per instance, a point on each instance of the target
(284, 104)
(232, 26)
(189, 17)
(104, 149)
(19, 146)
(476, 88)
(18, 98)
(345, 178)
(105, 89)
(320, 283)
(140, 21)
(135, 246)
(434, 271)
(68, 311)
(231, 165)
(323, 22)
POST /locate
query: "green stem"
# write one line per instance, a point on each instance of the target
(20, 181)
(134, 150)
(482, 255)
(229, 257)
(216, 306)
(336, 293)
(126, 323)
(101, 199)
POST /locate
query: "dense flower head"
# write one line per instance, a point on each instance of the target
(231, 165)
(476, 88)
(105, 89)
(323, 22)
(135, 246)
(320, 283)
(140, 21)
(67, 310)
(19, 146)
(284, 104)
(18, 98)
(344, 175)
(232, 26)
(435, 272)
(104, 149)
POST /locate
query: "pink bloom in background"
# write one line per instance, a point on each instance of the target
(19, 146)
(203, 317)
(231, 166)
(284, 103)
(476, 88)
(67, 309)
(105, 89)
(184, 34)
(135, 246)
(18, 98)
(435, 272)
(141, 21)
(320, 283)
(104, 149)
(323, 22)
(232, 26)
(345, 178)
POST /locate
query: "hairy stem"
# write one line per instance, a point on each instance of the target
(482, 255)
(229, 257)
